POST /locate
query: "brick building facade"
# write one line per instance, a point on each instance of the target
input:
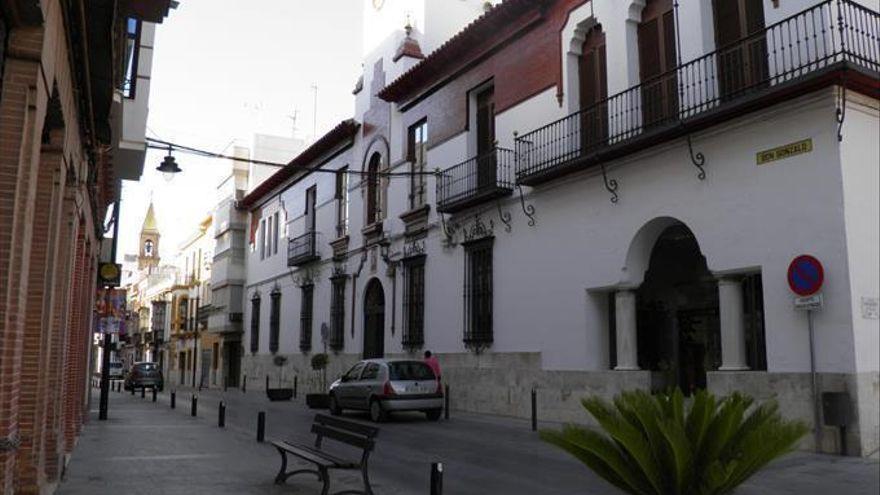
(62, 69)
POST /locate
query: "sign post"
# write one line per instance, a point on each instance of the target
(805, 278)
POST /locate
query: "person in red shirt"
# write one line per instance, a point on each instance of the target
(432, 361)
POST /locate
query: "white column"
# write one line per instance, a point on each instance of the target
(733, 329)
(625, 319)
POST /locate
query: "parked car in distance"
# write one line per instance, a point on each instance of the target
(144, 375)
(116, 370)
(382, 386)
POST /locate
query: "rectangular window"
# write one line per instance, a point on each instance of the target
(305, 318)
(262, 239)
(417, 141)
(132, 50)
(337, 313)
(276, 233)
(215, 356)
(255, 325)
(342, 202)
(478, 294)
(414, 302)
(274, 321)
(311, 204)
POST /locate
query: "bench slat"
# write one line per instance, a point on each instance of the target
(342, 424)
(343, 436)
(315, 456)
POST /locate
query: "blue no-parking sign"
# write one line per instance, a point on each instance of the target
(805, 275)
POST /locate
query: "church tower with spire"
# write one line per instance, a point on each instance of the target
(148, 254)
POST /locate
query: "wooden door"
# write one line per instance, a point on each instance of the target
(657, 61)
(742, 46)
(593, 91)
(374, 321)
(486, 163)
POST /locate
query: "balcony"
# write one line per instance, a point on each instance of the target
(798, 54)
(479, 179)
(302, 250)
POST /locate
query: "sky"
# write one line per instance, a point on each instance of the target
(224, 70)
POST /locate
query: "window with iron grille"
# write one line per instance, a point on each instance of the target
(255, 324)
(414, 302)
(305, 318)
(478, 294)
(337, 313)
(274, 321)
(417, 141)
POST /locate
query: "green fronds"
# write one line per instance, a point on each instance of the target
(658, 445)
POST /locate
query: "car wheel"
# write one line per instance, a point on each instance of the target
(335, 410)
(377, 414)
(433, 414)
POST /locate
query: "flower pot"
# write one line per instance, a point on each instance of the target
(318, 401)
(279, 393)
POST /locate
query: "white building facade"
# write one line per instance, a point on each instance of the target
(618, 203)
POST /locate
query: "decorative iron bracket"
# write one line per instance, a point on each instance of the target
(610, 185)
(697, 159)
(528, 209)
(504, 216)
(840, 112)
(448, 230)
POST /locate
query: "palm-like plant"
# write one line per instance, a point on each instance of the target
(657, 445)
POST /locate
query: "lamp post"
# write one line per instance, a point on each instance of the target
(168, 167)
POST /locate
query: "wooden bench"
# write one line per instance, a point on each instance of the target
(340, 430)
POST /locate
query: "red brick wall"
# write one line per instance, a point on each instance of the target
(524, 58)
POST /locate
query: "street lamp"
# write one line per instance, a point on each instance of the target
(169, 166)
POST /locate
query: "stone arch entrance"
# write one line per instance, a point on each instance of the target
(374, 320)
(677, 317)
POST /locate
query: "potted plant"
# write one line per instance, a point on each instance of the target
(279, 393)
(319, 400)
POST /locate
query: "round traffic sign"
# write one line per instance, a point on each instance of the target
(805, 275)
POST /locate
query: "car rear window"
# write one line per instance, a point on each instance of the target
(410, 370)
(146, 367)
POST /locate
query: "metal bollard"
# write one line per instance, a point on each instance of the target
(446, 402)
(436, 478)
(143, 392)
(534, 410)
(221, 415)
(295, 380)
(194, 406)
(154, 394)
(244, 384)
(173, 399)
(261, 426)
(132, 389)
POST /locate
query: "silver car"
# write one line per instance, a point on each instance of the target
(381, 386)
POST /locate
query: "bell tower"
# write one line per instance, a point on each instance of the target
(148, 252)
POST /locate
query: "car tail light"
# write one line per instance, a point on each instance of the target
(388, 389)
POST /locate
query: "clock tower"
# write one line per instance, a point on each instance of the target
(148, 252)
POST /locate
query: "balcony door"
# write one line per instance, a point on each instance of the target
(742, 45)
(486, 166)
(311, 199)
(657, 56)
(592, 74)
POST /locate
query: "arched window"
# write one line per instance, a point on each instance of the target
(373, 208)
(148, 248)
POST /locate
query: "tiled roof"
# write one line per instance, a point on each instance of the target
(457, 48)
(344, 130)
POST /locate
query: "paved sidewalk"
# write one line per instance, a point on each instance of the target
(149, 448)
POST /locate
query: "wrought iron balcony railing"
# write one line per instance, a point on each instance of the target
(302, 249)
(829, 36)
(481, 178)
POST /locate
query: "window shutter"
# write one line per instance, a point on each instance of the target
(649, 49)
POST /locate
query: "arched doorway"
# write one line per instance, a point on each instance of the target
(677, 313)
(374, 320)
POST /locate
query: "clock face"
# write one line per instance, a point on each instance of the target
(377, 4)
